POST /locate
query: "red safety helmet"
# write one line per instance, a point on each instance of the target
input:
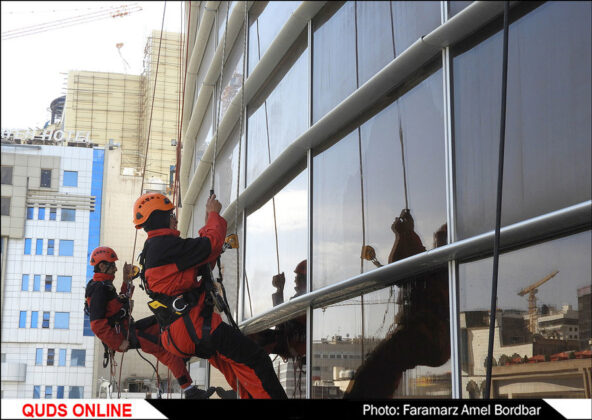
(146, 204)
(102, 253)
(301, 268)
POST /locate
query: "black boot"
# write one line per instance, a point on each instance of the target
(194, 393)
(225, 395)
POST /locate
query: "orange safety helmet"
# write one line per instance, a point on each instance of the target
(102, 253)
(146, 204)
(301, 268)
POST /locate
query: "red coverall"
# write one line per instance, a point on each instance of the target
(171, 268)
(104, 302)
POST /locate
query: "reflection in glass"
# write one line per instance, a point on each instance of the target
(456, 6)
(233, 74)
(263, 260)
(403, 161)
(412, 20)
(336, 348)
(548, 127)
(263, 31)
(334, 57)
(542, 324)
(226, 176)
(279, 114)
(337, 213)
(204, 136)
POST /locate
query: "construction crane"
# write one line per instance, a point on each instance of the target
(103, 13)
(532, 291)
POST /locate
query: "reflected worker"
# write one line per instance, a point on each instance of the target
(288, 340)
(421, 335)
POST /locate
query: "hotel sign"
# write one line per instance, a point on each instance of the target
(48, 134)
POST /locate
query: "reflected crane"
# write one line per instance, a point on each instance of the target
(532, 291)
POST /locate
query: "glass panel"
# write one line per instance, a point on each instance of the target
(48, 283)
(337, 348)
(86, 329)
(39, 247)
(76, 392)
(279, 114)
(456, 6)
(34, 319)
(41, 213)
(37, 391)
(226, 176)
(66, 247)
(337, 213)
(30, 212)
(5, 204)
(6, 175)
(45, 323)
(27, 246)
(403, 152)
(39, 357)
(50, 246)
(36, 282)
(64, 284)
(204, 135)
(543, 309)
(68, 215)
(261, 256)
(52, 213)
(62, 358)
(50, 356)
(375, 41)
(548, 131)
(48, 391)
(62, 320)
(23, 319)
(264, 30)
(78, 358)
(45, 178)
(233, 73)
(205, 62)
(70, 179)
(412, 20)
(60, 392)
(25, 283)
(334, 58)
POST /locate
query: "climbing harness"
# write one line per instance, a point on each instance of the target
(498, 211)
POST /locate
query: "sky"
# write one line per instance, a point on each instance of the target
(33, 66)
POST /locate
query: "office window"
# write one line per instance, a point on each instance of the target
(34, 318)
(45, 178)
(6, 175)
(48, 283)
(76, 392)
(39, 247)
(41, 213)
(30, 212)
(50, 246)
(86, 330)
(50, 356)
(36, 282)
(5, 206)
(78, 358)
(60, 392)
(37, 392)
(45, 322)
(48, 391)
(23, 319)
(52, 213)
(25, 283)
(64, 284)
(66, 248)
(39, 357)
(68, 215)
(27, 246)
(62, 357)
(70, 179)
(62, 320)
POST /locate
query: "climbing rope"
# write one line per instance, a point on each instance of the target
(498, 210)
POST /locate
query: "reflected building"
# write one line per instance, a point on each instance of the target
(326, 138)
